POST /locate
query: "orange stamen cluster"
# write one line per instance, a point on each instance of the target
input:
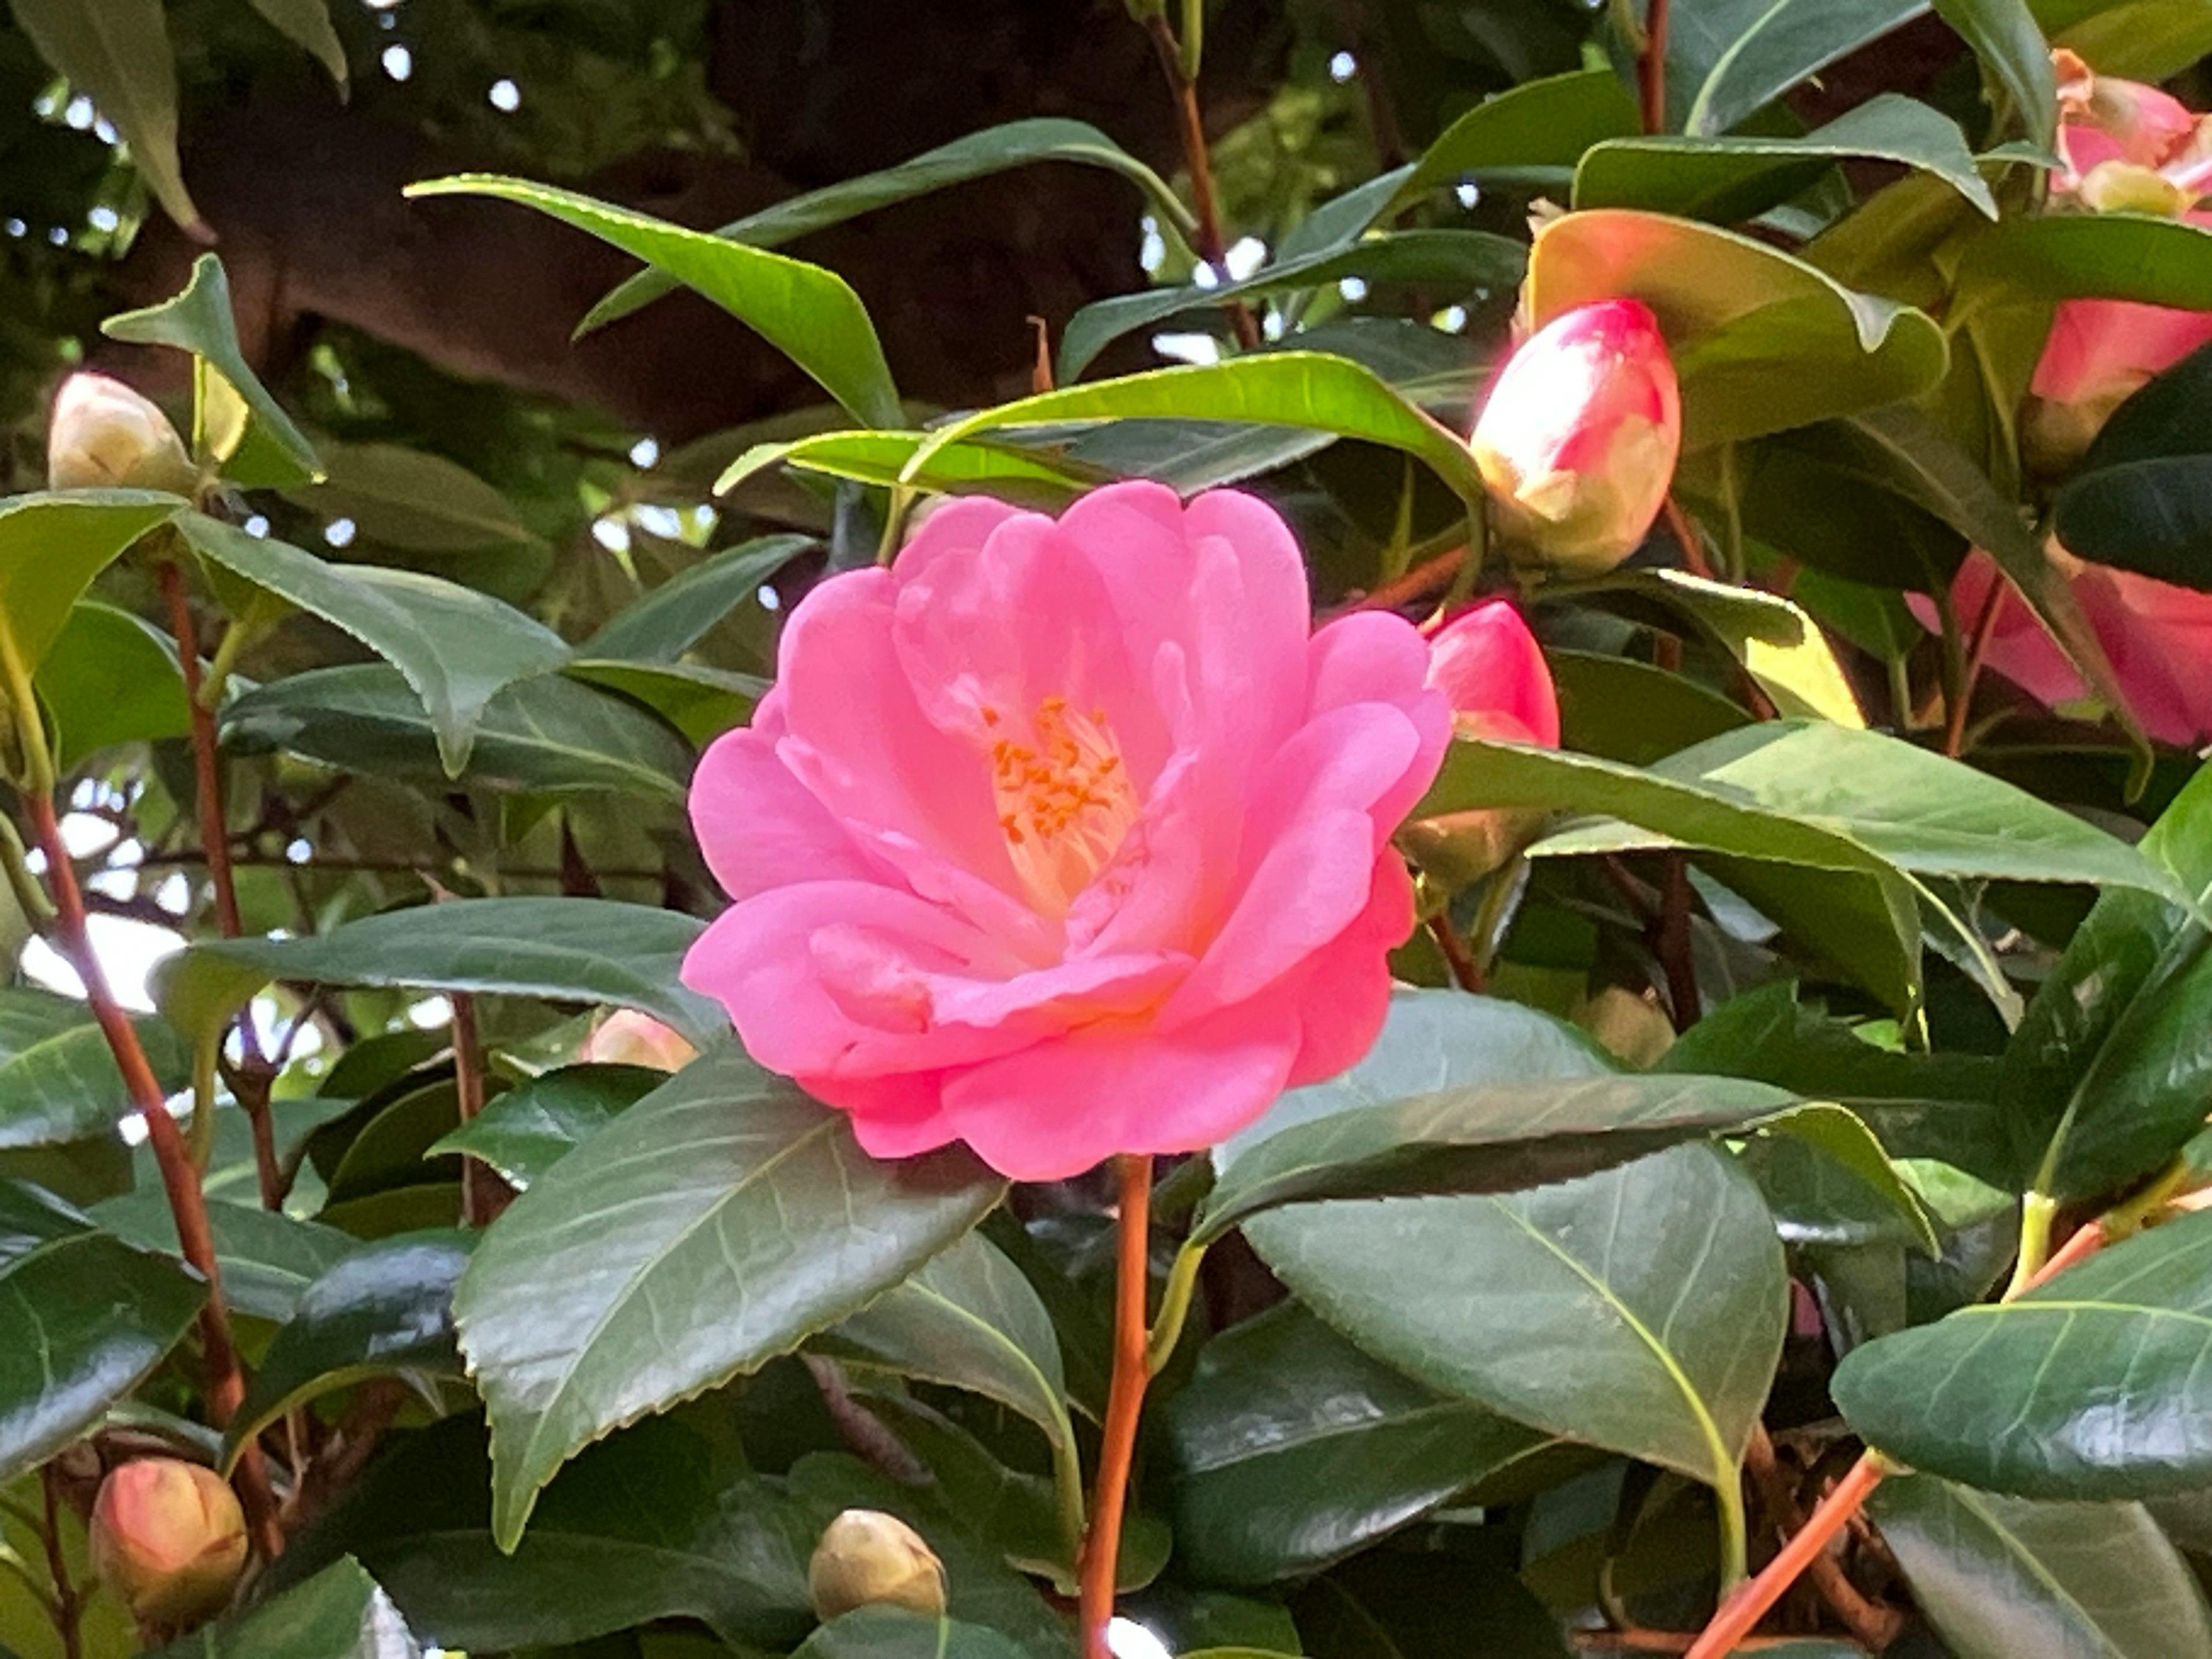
(1064, 798)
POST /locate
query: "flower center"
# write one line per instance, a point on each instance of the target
(1065, 799)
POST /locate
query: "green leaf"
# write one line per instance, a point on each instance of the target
(2005, 37)
(1727, 180)
(1761, 341)
(2073, 256)
(716, 1223)
(267, 1259)
(810, 314)
(548, 735)
(307, 24)
(117, 53)
(2145, 40)
(2001, 1578)
(564, 950)
(1727, 59)
(407, 499)
(385, 1307)
(530, 1128)
(647, 1525)
(58, 1077)
(1778, 644)
(200, 320)
(1541, 123)
(1828, 1183)
(660, 626)
(1640, 1310)
(2139, 499)
(1303, 389)
(1452, 261)
(879, 457)
(109, 678)
(1624, 710)
(995, 150)
(455, 647)
(2105, 1079)
(1294, 1450)
(339, 1614)
(88, 1318)
(51, 548)
(1341, 1139)
(970, 1320)
(2088, 1387)
(882, 1632)
(700, 702)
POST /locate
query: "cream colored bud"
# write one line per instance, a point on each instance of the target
(867, 1556)
(627, 1037)
(169, 1539)
(105, 436)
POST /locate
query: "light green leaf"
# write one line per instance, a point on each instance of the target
(718, 1221)
(2145, 40)
(995, 150)
(811, 315)
(660, 626)
(109, 678)
(308, 23)
(339, 1614)
(1778, 645)
(51, 546)
(564, 950)
(408, 499)
(880, 457)
(1762, 342)
(2075, 256)
(117, 53)
(237, 406)
(456, 647)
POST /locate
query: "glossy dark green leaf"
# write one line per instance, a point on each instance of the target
(1343, 1140)
(1294, 1450)
(410, 499)
(110, 678)
(564, 950)
(1729, 180)
(2093, 1386)
(1640, 1310)
(1303, 389)
(117, 53)
(660, 626)
(1761, 341)
(2147, 39)
(2138, 501)
(548, 735)
(2006, 38)
(456, 647)
(2002, 1577)
(995, 150)
(718, 1221)
(811, 315)
(524, 1132)
(1449, 261)
(58, 1077)
(2071, 256)
(267, 1259)
(1621, 709)
(1727, 59)
(1547, 123)
(1781, 648)
(889, 1632)
(51, 548)
(339, 1614)
(1828, 1182)
(201, 320)
(699, 701)
(385, 1307)
(2106, 1078)
(86, 1317)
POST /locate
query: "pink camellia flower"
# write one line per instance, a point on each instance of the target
(626, 1038)
(1579, 439)
(2100, 354)
(1488, 664)
(1068, 838)
(2159, 637)
(2104, 119)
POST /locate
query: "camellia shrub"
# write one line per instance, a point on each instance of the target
(1520, 965)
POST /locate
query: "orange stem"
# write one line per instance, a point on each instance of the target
(1125, 1399)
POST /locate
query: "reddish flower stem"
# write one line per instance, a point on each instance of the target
(67, 1608)
(226, 1381)
(1206, 206)
(1743, 1610)
(1651, 68)
(1125, 1399)
(1977, 644)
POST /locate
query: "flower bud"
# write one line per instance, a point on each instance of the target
(2130, 187)
(1488, 663)
(2105, 118)
(105, 436)
(168, 1538)
(1579, 440)
(866, 1557)
(627, 1037)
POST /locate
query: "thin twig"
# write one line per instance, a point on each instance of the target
(1125, 1399)
(1464, 968)
(1873, 1623)
(226, 1381)
(1206, 206)
(1977, 644)
(483, 1193)
(1651, 68)
(67, 1607)
(1686, 533)
(1671, 940)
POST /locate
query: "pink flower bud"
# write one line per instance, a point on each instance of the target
(2104, 119)
(168, 1538)
(1579, 439)
(627, 1037)
(1488, 663)
(105, 436)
